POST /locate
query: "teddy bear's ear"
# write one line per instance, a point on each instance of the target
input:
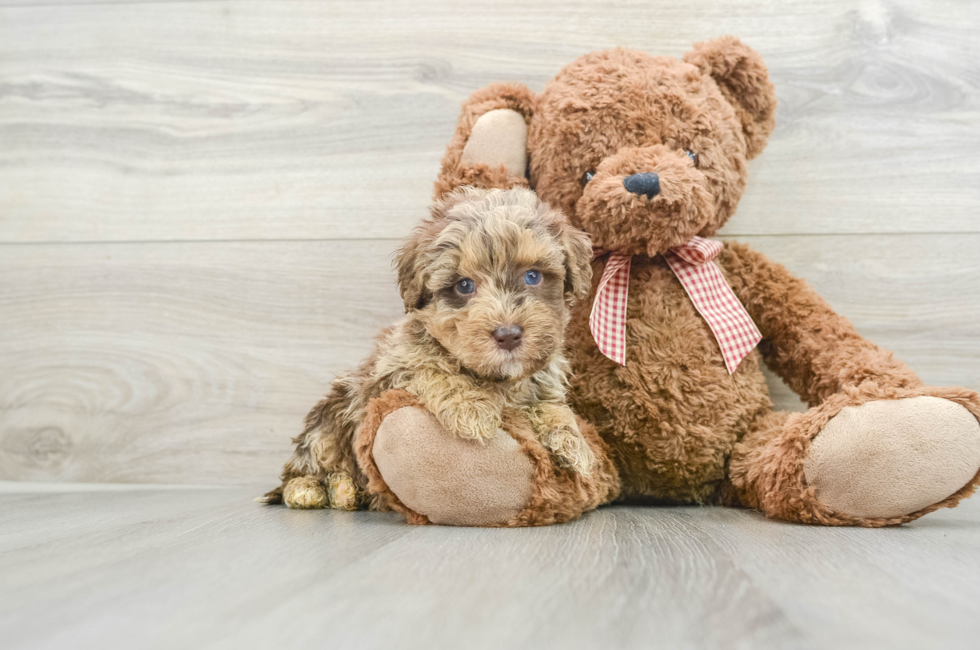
(489, 148)
(744, 80)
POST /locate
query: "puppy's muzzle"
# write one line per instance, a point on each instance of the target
(508, 337)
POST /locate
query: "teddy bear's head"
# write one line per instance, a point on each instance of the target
(643, 152)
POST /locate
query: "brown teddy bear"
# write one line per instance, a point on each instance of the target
(648, 155)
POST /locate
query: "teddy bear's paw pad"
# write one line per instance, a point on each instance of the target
(342, 491)
(499, 137)
(449, 479)
(891, 458)
(304, 492)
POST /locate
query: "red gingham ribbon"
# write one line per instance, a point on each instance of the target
(704, 283)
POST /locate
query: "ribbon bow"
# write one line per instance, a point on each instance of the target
(704, 283)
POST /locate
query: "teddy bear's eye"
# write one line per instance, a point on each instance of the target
(587, 176)
(694, 158)
(466, 286)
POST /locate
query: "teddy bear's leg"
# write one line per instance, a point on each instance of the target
(418, 468)
(867, 457)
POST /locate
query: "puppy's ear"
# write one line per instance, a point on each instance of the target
(744, 81)
(413, 259)
(489, 147)
(411, 262)
(578, 258)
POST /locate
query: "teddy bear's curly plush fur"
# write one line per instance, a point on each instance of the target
(876, 448)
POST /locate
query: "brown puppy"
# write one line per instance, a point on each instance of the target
(487, 283)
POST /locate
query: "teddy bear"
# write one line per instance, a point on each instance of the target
(648, 155)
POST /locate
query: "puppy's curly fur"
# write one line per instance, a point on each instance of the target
(444, 351)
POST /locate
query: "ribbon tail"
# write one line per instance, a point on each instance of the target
(732, 326)
(607, 321)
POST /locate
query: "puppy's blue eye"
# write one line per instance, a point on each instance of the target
(466, 286)
(532, 277)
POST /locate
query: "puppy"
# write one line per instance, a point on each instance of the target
(487, 282)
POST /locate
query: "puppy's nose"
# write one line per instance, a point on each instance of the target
(508, 337)
(647, 185)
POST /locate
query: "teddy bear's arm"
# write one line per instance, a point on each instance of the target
(814, 350)
(489, 147)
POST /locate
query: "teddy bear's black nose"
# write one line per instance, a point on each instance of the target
(647, 184)
(508, 337)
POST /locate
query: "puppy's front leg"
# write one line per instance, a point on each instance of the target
(458, 403)
(557, 430)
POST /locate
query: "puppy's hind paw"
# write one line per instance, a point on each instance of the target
(304, 493)
(571, 450)
(342, 491)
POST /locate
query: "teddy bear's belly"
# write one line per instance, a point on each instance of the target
(672, 415)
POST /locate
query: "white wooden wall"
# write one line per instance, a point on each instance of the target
(198, 200)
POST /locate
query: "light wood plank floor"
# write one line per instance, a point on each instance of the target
(90, 566)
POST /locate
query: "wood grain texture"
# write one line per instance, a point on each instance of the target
(177, 362)
(129, 121)
(210, 569)
(195, 362)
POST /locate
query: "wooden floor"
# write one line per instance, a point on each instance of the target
(90, 566)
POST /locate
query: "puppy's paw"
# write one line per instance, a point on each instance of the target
(570, 448)
(474, 421)
(304, 493)
(342, 492)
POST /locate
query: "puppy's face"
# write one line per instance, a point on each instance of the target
(491, 277)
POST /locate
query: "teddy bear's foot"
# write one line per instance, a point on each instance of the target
(305, 493)
(892, 458)
(417, 467)
(449, 479)
(868, 456)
